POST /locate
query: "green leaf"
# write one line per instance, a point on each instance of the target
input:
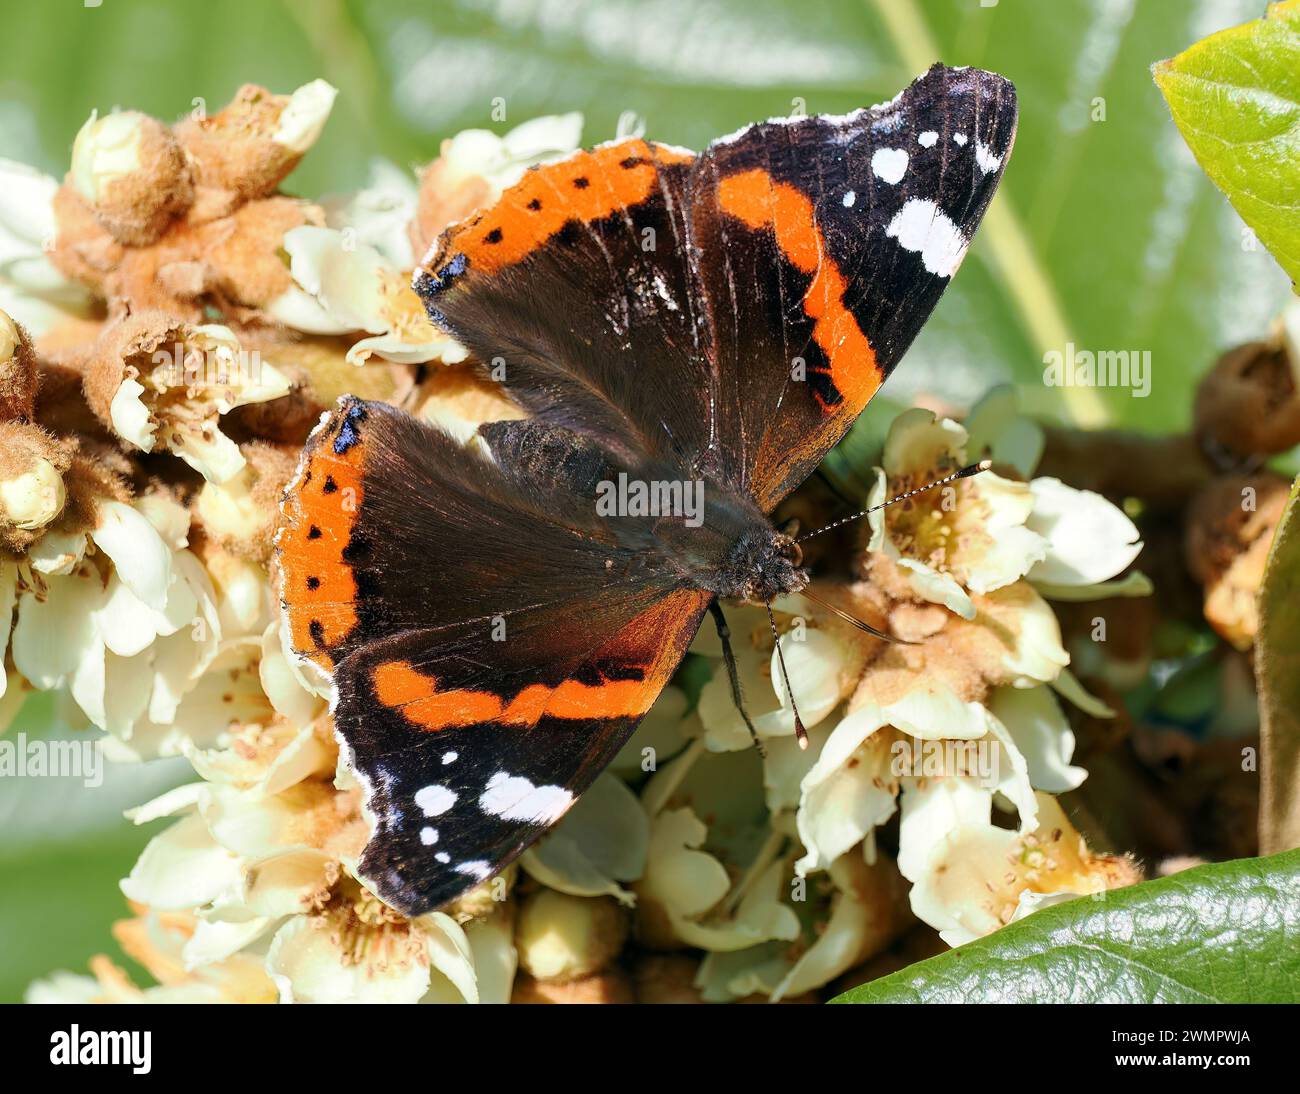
(1277, 669)
(1226, 933)
(1236, 98)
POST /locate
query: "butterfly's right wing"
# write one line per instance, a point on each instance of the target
(822, 245)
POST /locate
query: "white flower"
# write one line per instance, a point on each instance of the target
(824, 657)
(345, 285)
(602, 840)
(355, 273)
(379, 214)
(985, 532)
(865, 916)
(130, 630)
(688, 890)
(971, 877)
(502, 161)
(1089, 540)
(30, 287)
(177, 405)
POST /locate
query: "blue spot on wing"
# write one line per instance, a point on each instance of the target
(348, 435)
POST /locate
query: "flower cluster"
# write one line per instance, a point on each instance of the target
(179, 322)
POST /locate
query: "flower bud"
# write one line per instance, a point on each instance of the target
(34, 498)
(18, 377)
(1249, 402)
(246, 149)
(131, 171)
(241, 513)
(561, 937)
(1230, 526)
(32, 493)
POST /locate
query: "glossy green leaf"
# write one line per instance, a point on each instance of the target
(1226, 933)
(1236, 99)
(1277, 669)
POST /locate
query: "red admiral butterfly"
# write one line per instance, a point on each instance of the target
(714, 321)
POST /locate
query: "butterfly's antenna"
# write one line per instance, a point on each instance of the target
(853, 619)
(964, 473)
(800, 733)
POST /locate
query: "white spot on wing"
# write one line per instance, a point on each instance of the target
(476, 869)
(960, 138)
(443, 857)
(449, 757)
(428, 836)
(984, 156)
(512, 797)
(435, 800)
(849, 199)
(889, 164)
(928, 139)
(922, 227)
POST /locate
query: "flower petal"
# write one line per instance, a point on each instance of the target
(1033, 718)
(1089, 539)
(138, 552)
(849, 791)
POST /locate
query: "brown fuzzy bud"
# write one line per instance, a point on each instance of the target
(561, 937)
(247, 148)
(1249, 404)
(18, 376)
(1230, 527)
(666, 978)
(447, 195)
(610, 987)
(243, 251)
(130, 170)
(32, 492)
(83, 249)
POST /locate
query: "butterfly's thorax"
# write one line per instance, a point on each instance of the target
(735, 552)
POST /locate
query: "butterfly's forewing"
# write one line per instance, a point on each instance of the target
(823, 245)
(575, 291)
(492, 642)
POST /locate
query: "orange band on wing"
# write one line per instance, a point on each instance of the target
(586, 187)
(759, 201)
(319, 589)
(398, 684)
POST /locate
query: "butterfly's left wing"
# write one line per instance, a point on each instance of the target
(492, 642)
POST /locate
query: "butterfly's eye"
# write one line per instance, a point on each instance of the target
(791, 552)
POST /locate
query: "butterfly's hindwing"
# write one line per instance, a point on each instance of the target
(462, 609)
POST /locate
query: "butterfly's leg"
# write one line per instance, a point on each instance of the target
(729, 659)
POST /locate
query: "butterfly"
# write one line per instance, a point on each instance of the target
(688, 336)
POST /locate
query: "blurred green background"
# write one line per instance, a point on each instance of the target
(1106, 234)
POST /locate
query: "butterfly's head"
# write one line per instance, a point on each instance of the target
(764, 566)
